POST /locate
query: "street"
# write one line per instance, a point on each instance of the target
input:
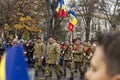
(41, 75)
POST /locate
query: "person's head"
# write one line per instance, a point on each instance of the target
(105, 64)
(77, 41)
(31, 44)
(38, 39)
(89, 43)
(67, 43)
(51, 39)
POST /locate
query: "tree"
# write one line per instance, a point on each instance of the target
(17, 15)
(6, 11)
(111, 9)
(54, 26)
(87, 7)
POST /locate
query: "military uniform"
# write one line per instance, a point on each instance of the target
(52, 59)
(88, 53)
(67, 58)
(39, 49)
(77, 58)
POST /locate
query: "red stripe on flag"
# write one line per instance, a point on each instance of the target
(58, 14)
(70, 27)
(63, 13)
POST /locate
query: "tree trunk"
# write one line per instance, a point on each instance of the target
(88, 20)
(87, 33)
(20, 33)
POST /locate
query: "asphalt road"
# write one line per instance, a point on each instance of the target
(41, 75)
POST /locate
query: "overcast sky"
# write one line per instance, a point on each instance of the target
(66, 1)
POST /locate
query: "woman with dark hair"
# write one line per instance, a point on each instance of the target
(105, 64)
(1, 51)
(30, 49)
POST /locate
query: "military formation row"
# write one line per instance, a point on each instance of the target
(75, 57)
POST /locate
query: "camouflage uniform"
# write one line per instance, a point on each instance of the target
(38, 54)
(88, 52)
(67, 58)
(52, 59)
(77, 57)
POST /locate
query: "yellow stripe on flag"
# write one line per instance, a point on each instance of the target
(58, 8)
(73, 19)
(2, 68)
(63, 7)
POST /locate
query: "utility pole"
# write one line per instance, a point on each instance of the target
(47, 33)
(48, 22)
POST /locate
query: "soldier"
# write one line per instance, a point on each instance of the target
(88, 52)
(38, 54)
(52, 58)
(67, 52)
(77, 56)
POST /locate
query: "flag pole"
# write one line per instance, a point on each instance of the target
(72, 39)
(72, 36)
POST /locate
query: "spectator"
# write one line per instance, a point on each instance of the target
(1, 50)
(30, 54)
(105, 64)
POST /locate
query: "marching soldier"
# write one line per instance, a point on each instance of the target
(52, 58)
(38, 54)
(77, 56)
(88, 52)
(67, 52)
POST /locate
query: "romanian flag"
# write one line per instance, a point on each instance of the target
(63, 13)
(73, 20)
(58, 8)
(13, 65)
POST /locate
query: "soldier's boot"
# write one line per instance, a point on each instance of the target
(64, 73)
(71, 77)
(50, 74)
(36, 72)
(58, 77)
(61, 73)
(43, 70)
(75, 70)
(82, 76)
